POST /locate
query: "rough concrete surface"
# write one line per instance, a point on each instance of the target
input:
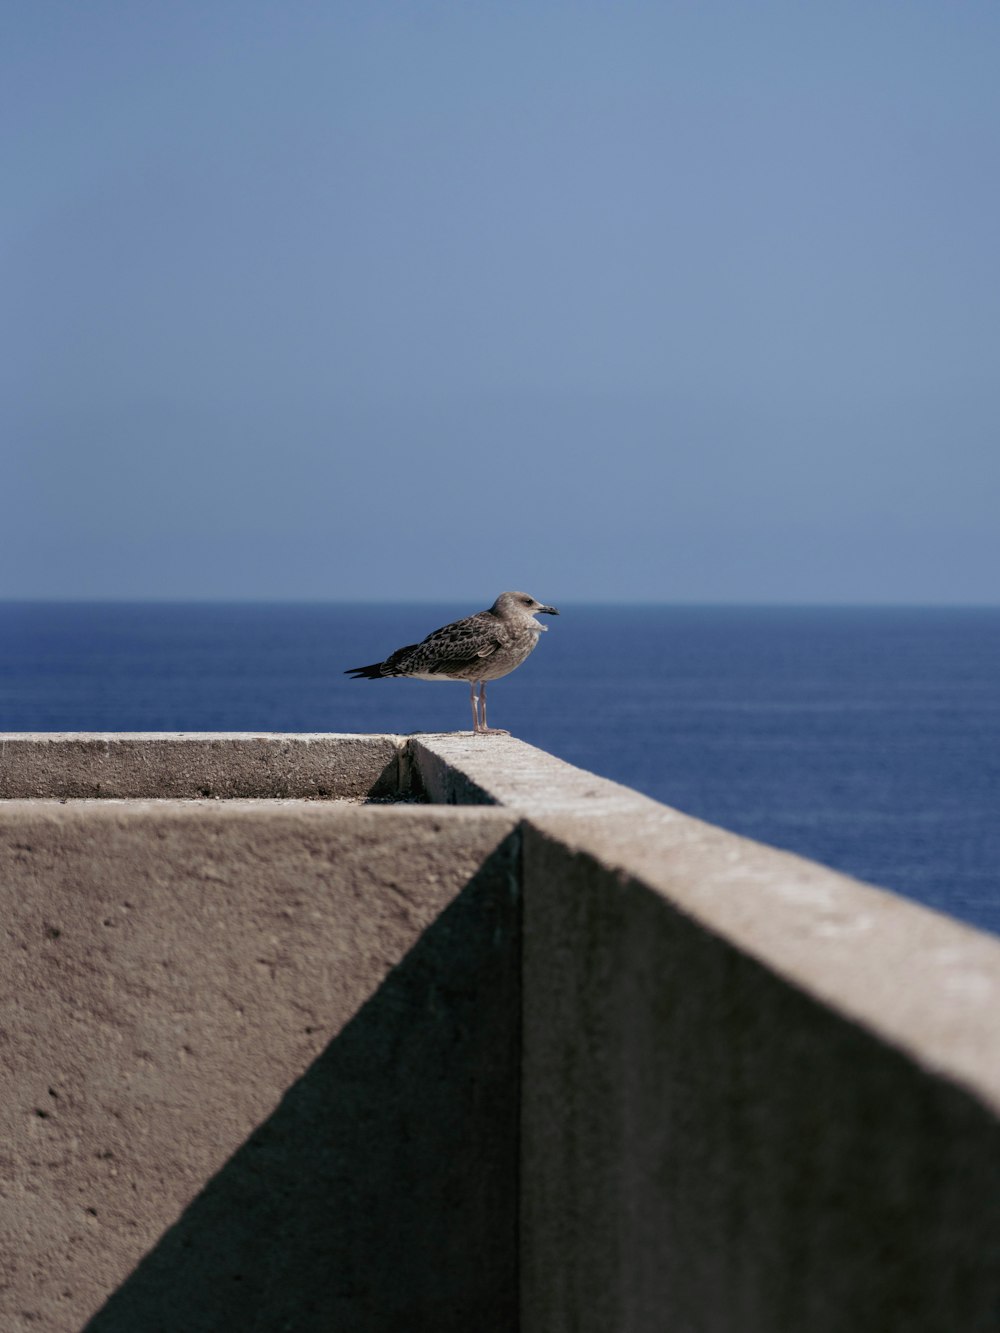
(925, 982)
(706, 1147)
(261, 1067)
(197, 764)
(753, 1095)
(757, 1094)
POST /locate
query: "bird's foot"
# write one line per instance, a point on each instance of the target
(491, 731)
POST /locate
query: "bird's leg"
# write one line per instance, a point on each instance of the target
(483, 728)
(475, 713)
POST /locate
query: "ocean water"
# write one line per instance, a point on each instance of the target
(868, 739)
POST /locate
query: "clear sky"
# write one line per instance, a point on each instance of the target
(374, 299)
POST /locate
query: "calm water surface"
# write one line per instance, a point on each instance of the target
(865, 738)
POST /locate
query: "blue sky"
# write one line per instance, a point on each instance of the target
(610, 301)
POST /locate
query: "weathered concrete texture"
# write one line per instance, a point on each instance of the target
(757, 1094)
(461, 768)
(193, 764)
(705, 1147)
(922, 981)
(286, 1033)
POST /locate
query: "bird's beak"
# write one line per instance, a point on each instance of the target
(546, 611)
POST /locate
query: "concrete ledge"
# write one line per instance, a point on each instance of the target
(192, 764)
(756, 1094)
(921, 980)
(721, 1087)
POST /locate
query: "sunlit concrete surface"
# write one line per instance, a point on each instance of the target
(525, 1050)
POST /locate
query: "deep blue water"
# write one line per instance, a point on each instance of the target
(865, 738)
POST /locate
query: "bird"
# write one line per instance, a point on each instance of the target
(482, 647)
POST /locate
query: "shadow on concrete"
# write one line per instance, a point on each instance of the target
(382, 1192)
(392, 783)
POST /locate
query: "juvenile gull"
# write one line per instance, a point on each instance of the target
(479, 648)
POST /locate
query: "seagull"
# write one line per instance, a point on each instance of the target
(479, 648)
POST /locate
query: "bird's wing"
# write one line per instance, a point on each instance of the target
(461, 644)
(392, 662)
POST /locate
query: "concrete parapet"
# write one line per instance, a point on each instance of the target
(920, 980)
(757, 1095)
(260, 1066)
(155, 764)
(308, 1064)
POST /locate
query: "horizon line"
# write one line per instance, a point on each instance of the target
(721, 603)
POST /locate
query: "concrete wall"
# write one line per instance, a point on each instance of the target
(708, 1146)
(260, 1066)
(573, 1061)
(198, 764)
(758, 1096)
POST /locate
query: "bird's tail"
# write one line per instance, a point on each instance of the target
(379, 670)
(373, 672)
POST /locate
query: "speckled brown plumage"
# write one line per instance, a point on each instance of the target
(482, 647)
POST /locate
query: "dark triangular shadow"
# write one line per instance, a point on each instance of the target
(381, 1194)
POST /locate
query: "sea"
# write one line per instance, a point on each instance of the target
(866, 738)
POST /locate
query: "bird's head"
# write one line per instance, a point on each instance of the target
(521, 606)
